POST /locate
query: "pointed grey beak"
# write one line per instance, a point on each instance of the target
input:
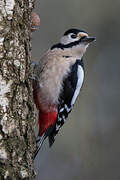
(88, 39)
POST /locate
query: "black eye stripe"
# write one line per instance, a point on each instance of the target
(70, 45)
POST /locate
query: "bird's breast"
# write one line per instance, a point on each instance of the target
(52, 79)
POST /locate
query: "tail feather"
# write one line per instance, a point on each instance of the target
(41, 139)
(51, 140)
(39, 142)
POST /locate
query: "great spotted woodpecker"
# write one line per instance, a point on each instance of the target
(58, 78)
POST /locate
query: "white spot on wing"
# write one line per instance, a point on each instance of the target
(80, 74)
(57, 127)
(67, 109)
(62, 109)
(63, 118)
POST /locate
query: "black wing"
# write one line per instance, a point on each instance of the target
(65, 106)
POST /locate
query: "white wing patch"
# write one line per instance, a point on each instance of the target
(80, 74)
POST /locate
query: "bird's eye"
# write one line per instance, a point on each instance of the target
(73, 36)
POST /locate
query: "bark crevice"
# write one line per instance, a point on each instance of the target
(17, 139)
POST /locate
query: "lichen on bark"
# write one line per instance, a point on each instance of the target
(17, 141)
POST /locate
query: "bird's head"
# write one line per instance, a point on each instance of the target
(74, 42)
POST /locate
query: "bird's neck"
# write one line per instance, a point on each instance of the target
(76, 52)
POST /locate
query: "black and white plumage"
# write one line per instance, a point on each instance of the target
(58, 79)
(71, 88)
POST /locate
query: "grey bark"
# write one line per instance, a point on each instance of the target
(17, 141)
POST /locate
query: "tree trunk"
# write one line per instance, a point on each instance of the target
(17, 140)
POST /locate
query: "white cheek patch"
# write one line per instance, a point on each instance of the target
(64, 40)
(80, 74)
(67, 39)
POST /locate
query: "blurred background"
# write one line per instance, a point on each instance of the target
(88, 145)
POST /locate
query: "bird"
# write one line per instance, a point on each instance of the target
(57, 80)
